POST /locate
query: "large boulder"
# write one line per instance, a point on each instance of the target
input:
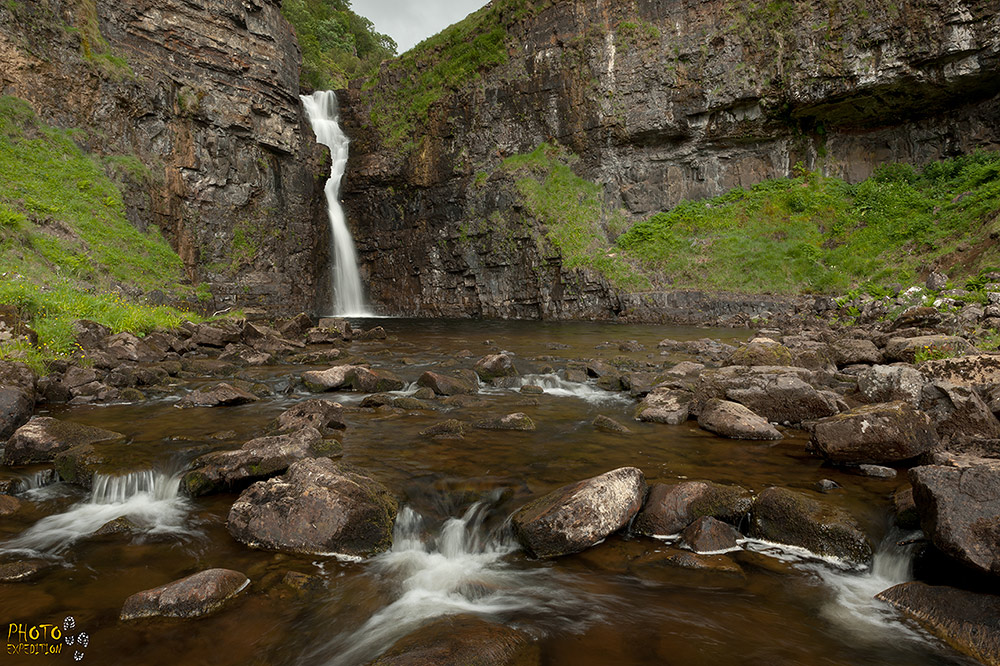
(708, 535)
(910, 349)
(958, 411)
(785, 516)
(761, 351)
(578, 515)
(959, 508)
(318, 506)
(17, 396)
(219, 395)
(669, 509)
(41, 438)
(445, 385)
(780, 395)
(888, 383)
(194, 596)
(967, 621)
(462, 640)
(664, 405)
(733, 420)
(850, 351)
(324, 415)
(494, 367)
(878, 434)
(260, 458)
(367, 380)
(979, 370)
(330, 379)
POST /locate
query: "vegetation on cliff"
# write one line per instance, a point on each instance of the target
(809, 233)
(67, 250)
(337, 44)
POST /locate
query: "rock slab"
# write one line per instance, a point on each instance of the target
(196, 595)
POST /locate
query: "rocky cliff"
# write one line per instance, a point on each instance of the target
(662, 100)
(205, 95)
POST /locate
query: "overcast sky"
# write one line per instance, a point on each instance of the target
(410, 21)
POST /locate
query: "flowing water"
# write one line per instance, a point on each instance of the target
(451, 553)
(348, 294)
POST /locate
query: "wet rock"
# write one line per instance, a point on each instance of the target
(495, 367)
(671, 508)
(295, 327)
(78, 464)
(462, 641)
(608, 424)
(194, 596)
(41, 438)
(17, 396)
(120, 525)
(685, 370)
(826, 485)
(958, 410)
(206, 335)
(450, 429)
(761, 351)
(967, 621)
(259, 458)
(219, 395)
(905, 349)
(888, 383)
(21, 571)
(877, 471)
(733, 420)
(366, 380)
(577, 516)
(318, 506)
(959, 508)
(323, 336)
(875, 434)
(9, 505)
(209, 367)
(665, 405)
(323, 415)
(330, 379)
(515, 421)
(850, 351)
(708, 535)
(445, 385)
(532, 389)
(341, 326)
(409, 403)
(464, 401)
(376, 333)
(125, 376)
(780, 395)
(905, 509)
(710, 571)
(785, 516)
(244, 355)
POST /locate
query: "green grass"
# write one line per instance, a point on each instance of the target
(572, 210)
(66, 246)
(816, 234)
(337, 44)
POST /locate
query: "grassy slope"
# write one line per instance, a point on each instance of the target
(789, 235)
(337, 44)
(67, 250)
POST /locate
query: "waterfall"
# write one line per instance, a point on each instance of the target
(348, 297)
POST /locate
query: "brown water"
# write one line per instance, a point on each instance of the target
(590, 608)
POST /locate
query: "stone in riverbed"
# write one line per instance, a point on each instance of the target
(9, 505)
(17, 396)
(708, 535)
(778, 394)
(888, 383)
(733, 420)
(317, 507)
(20, 571)
(194, 596)
(324, 415)
(577, 516)
(41, 438)
(852, 351)
(450, 429)
(875, 434)
(259, 458)
(493, 367)
(760, 351)
(959, 508)
(220, 395)
(958, 411)
(794, 518)
(445, 385)
(515, 421)
(608, 424)
(664, 405)
(671, 508)
(462, 641)
(330, 379)
(967, 621)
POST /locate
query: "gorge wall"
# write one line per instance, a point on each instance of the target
(205, 95)
(662, 100)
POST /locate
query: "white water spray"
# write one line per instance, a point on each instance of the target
(348, 296)
(149, 499)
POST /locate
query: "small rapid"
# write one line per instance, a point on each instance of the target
(150, 500)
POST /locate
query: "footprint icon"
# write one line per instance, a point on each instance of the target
(82, 640)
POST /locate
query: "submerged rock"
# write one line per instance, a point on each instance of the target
(450, 429)
(194, 596)
(462, 641)
(664, 405)
(959, 508)
(669, 509)
(41, 438)
(259, 458)
(733, 420)
(318, 506)
(876, 434)
(608, 424)
(967, 621)
(220, 395)
(515, 421)
(785, 516)
(577, 516)
(21, 571)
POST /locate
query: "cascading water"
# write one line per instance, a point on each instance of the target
(151, 500)
(348, 296)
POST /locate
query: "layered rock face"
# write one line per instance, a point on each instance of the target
(663, 100)
(205, 95)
